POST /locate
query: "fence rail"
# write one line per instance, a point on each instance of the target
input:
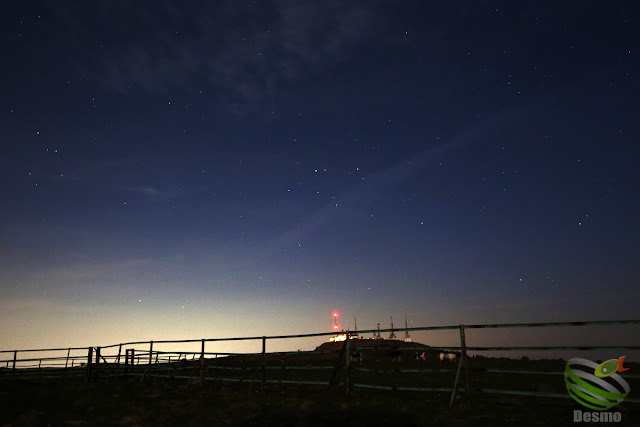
(131, 361)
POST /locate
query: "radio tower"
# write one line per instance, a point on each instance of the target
(376, 335)
(407, 338)
(392, 336)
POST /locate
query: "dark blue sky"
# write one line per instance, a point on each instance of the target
(247, 168)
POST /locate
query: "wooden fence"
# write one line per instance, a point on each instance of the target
(320, 368)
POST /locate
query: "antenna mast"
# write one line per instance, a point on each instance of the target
(392, 336)
(407, 338)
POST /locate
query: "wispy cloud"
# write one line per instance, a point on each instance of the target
(248, 49)
(354, 199)
(155, 194)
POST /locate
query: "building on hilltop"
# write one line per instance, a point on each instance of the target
(342, 336)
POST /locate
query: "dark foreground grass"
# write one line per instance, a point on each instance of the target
(163, 403)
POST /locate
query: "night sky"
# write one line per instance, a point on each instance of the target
(211, 169)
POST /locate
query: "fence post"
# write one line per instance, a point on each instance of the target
(465, 360)
(348, 357)
(67, 361)
(202, 363)
(455, 383)
(118, 361)
(150, 357)
(95, 377)
(89, 361)
(15, 357)
(264, 346)
(334, 374)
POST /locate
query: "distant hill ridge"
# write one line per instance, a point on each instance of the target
(359, 343)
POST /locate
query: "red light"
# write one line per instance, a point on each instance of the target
(335, 314)
(335, 326)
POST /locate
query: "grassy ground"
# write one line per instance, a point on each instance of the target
(167, 403)
(35, 400)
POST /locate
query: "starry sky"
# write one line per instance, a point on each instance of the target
(175, 170)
